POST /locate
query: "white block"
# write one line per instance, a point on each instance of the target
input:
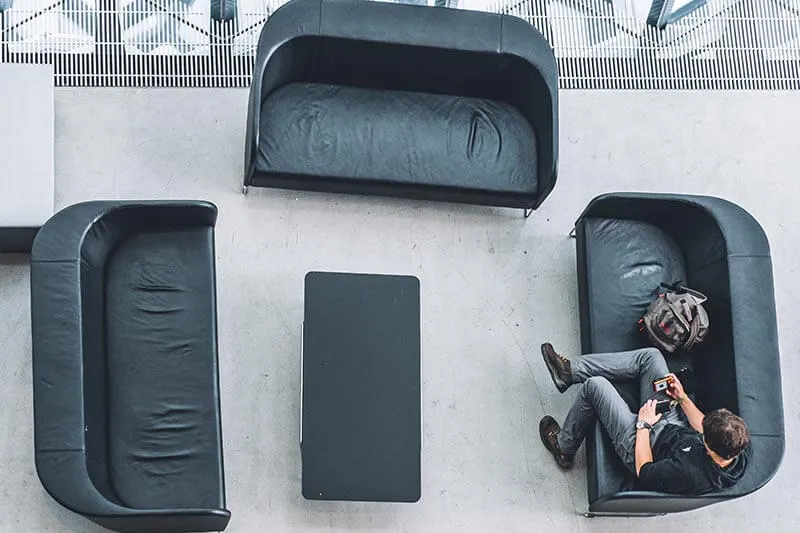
(27, 131)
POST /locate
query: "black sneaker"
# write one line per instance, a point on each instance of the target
(548, 431)
(559, 367)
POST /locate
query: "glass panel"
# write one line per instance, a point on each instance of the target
(45, 26)
(165, 27)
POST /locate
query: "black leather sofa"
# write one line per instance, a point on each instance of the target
(399, 100)
(125, 379)
(627, 244)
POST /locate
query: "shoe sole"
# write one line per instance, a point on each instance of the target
(560, 384)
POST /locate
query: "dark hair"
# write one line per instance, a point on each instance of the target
(725, 433)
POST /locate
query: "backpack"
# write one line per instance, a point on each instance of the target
(676, 319)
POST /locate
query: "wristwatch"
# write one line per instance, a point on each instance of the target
(641, 424)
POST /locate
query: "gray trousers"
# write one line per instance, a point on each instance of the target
(599, 400)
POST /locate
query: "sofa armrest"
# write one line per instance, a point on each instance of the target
(64, 236)
(289, 21)
(64, 476)
(538, 99)
(764, 462)
(645, 503)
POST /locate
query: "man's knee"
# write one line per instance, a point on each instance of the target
(596, 385)
(651, 356)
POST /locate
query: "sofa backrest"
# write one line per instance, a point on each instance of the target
(410, 48)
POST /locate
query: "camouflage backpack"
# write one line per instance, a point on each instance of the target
(676, 319)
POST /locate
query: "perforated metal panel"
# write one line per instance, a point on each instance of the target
(732, 44)
(725, 44)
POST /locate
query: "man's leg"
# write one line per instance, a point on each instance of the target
(644, 365)
(599, 400)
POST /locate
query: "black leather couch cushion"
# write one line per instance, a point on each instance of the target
(626, 261)
(401, 137)
(161, 362)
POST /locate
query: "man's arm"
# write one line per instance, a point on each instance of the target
(693, 414)
(643, 454)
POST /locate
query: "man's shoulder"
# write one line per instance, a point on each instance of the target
(706, 475)
(679, 436)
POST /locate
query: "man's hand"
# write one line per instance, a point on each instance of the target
(643, 454)
(648, 413)
(675, 389)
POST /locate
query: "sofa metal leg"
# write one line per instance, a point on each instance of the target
(527, 212)
(245, 188)
(590, 514)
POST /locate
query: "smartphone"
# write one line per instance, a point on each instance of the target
(662, 384)
(663, 406)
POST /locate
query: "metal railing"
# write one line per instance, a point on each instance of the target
(731, 44)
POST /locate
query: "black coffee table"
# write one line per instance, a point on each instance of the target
(361, 424)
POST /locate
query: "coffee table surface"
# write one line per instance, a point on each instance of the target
(361, 413)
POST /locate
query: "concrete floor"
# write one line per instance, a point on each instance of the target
(494, 286)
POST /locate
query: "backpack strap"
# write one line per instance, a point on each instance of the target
(679, 316)
(674, 287)
(679, 288)
(694, 330)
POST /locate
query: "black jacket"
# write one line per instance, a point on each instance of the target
(682, 466)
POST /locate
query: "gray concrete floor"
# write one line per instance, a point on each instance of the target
(494, 286)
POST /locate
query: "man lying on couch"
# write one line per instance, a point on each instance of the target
(665, 454)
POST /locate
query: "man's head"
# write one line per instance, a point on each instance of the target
(725, 433)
